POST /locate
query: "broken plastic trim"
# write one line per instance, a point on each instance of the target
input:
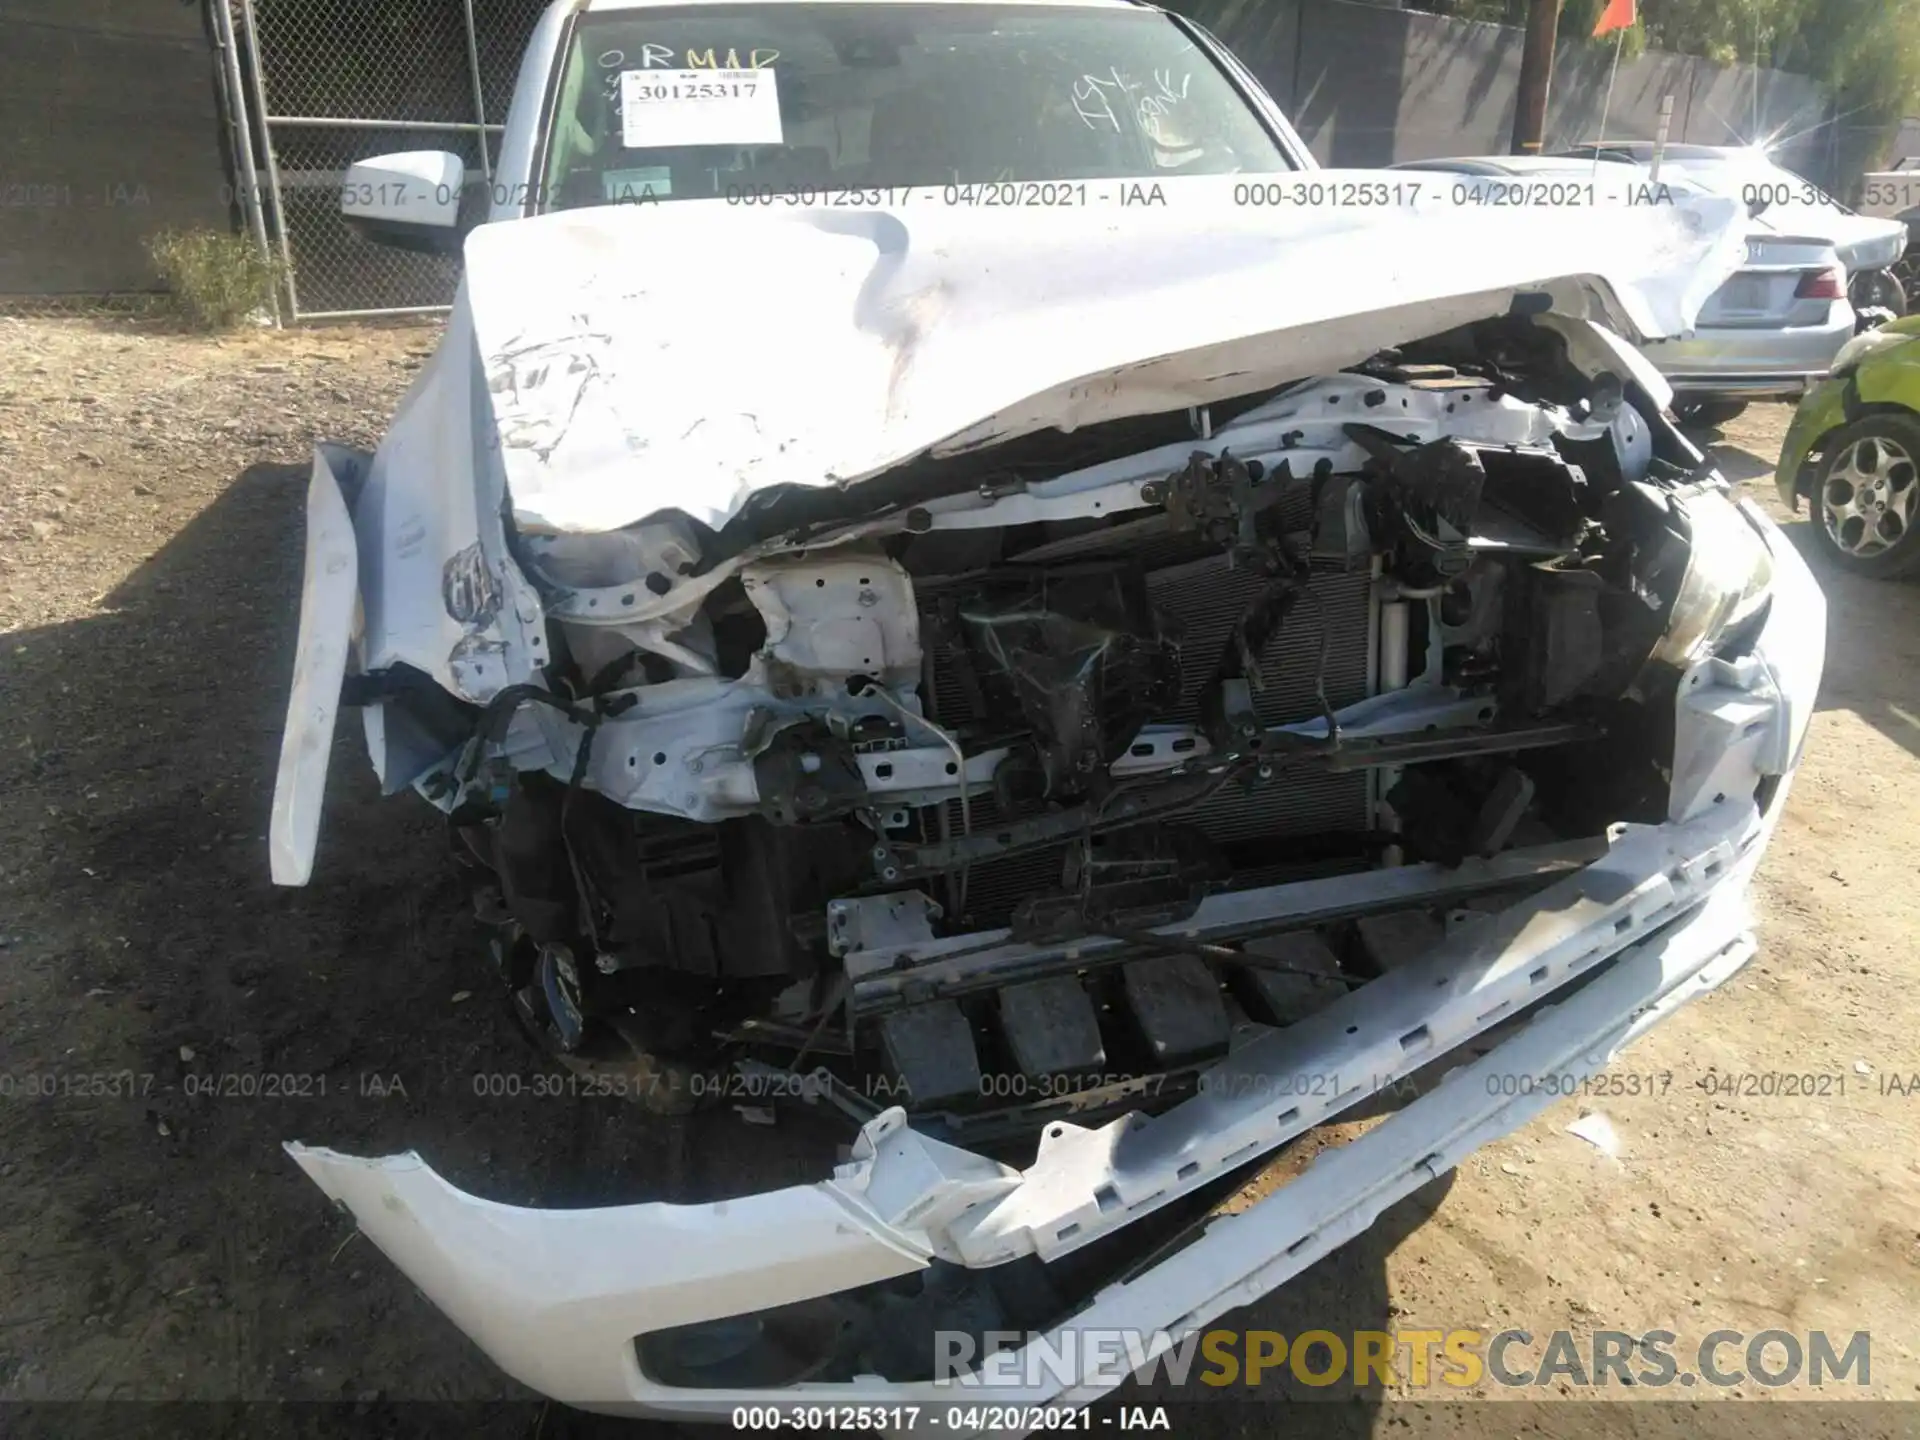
(566, 1325)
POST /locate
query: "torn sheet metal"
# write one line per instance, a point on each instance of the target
(822, 346)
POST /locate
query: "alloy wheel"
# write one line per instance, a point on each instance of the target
(1867, 499)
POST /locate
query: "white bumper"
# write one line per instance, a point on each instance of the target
(557, 1298)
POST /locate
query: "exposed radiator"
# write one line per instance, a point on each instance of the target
(1207, 596)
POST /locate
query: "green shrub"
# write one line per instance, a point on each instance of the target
(216, 280)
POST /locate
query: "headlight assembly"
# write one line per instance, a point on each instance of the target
(1729, 574)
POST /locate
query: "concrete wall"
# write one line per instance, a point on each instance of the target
(112, 132)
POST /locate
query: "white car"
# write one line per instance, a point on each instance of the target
(1869, 242)
(998, 601)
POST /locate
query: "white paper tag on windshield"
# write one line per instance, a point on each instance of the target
(659, 108)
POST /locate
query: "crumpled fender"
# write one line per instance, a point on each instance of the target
(441, 593)
(407, 569)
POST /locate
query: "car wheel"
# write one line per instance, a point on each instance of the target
(1708, 414)
(1866, 497)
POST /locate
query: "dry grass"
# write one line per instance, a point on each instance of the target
(216, 280)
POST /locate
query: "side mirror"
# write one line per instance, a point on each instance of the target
(410, 201)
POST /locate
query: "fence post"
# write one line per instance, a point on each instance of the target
(479, 95)
(273, 165)
(241, 129)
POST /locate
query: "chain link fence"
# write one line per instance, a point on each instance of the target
(334, 81)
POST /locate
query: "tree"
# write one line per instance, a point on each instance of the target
(1866, 52)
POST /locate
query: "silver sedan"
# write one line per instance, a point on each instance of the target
(1770, 332)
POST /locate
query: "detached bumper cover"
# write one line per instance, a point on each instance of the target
(557, 1298)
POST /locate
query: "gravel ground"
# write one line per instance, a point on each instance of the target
(157, 1246)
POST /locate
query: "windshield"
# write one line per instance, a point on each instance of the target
(718, 101)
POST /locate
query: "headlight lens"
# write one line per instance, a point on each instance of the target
(1729, 572)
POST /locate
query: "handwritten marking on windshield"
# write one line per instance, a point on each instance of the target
(654, 55)
(703, 60)
(1090, 102)
(1093, 97)
(1155, 107)
(650, 55)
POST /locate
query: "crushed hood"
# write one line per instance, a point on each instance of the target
(689, 355)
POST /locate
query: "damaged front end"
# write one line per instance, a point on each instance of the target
(1085, 814)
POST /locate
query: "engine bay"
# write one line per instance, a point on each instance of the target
(1009, 784)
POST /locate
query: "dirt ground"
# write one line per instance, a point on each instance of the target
(156, 1245)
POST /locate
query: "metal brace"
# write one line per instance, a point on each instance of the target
(880, 922)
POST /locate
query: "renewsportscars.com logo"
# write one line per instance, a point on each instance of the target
(1450, 1360)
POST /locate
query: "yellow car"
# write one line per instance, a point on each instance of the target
(1853, 449)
